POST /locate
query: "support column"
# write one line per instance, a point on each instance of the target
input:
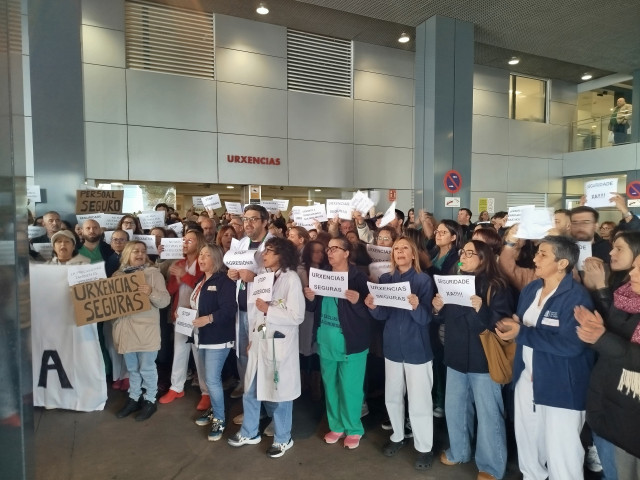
(443, 112)
(635, 105)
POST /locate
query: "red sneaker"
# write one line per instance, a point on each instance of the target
(204, 403)
(333, 437)
(170, 396)
(352, 441)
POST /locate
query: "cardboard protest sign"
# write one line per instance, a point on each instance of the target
(598, 192)
(342, 208)
(109, 298)
(379, 254)
(94, 201)
(184, 320)
(261, 287)
(391, 294)
(173, 248)
(328, 284)
(456, 289)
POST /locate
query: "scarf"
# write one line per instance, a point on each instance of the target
(628, 301)
(133, 269)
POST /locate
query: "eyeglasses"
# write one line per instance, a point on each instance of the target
(270, 250)
(384, 239)
(251, 219)
(582, 222)
(128, 222)
(118, 240)
(467, 253)
(441, 232)
(138, 251)
(333, 249)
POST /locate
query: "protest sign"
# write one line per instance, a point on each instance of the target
(149, 220)
(379, 254)
(89, 216)
(361, 202)
(261, 287)
(391, 294)
(94, 201)
(110, 220)
(184, 320)
(598, 192)
(311, 214)
(176, 227)
(534, 224)
(211, 202)
(34, 231)
(328, 284)
(342, 208)
(456, 289)
(515, 214)
(270, 205)
(234, 208)
(282, 204)
(235, 244)
(585, 252)
(109, 298)
(44, 249)
(149, 241)
(85, 273)
(241, 260)
(33, 193)
(388, 216)
(197, 202)
(172, 248)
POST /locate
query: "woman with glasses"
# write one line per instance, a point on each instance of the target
(342, 333)
(137, 336)
(129, 222)
(407, 354)
(273, 368)
(468, 381)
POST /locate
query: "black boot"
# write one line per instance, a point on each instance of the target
(148, 409)
(130, 407)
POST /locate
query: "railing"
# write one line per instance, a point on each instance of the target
(593, 133)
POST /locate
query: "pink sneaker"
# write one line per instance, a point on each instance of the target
(333, 437)
(352, 441)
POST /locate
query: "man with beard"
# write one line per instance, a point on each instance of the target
(94, 248)
(209, 229)
(584, 224)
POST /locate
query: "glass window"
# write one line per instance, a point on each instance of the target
(527, 99)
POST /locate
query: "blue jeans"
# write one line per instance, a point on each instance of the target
(463, 389)
(242, 343)
(281, 412)
(142, 374)
(607, 454)
(213, 361)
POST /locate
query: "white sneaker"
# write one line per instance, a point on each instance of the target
(238, 440)
(593, 460)
(277, 449)
(270, 430)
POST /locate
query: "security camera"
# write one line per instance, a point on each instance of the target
(281, 188)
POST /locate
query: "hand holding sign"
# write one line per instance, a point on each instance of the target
(598, 192)
(456, 289)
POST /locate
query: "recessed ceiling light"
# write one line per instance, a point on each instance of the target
(587, 76)
(404, 38)
(230, 187)
(514, 61)
(262, 10)
(318, 190)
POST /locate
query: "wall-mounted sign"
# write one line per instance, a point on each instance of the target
(452, 181)
(253, 160)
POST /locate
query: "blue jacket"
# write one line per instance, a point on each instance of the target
(218, 297)
(561, 361)
(406, 335)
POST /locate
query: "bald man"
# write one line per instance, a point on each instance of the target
(208, 226)
(94, 248)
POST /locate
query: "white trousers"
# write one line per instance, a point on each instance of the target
(181, 351)
(417, 380)
(547, 435)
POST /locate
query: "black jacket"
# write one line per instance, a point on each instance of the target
(218, 297)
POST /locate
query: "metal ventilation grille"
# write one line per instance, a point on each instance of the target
(519, 199)
(319, 64)
(169, 40)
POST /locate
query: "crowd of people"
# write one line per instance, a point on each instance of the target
(575, 388)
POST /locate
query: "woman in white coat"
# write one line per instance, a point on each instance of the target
(273, 369)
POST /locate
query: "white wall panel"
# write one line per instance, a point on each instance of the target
(383, 167)
(235, 66)
(320, 117)
(161, 154)
(103, 46)
(488, 78)
(243, 173)
(528, 139)
(171, 101)
(103, 13)
(250, 36)
(489, 135)
(252, 110)
(383, 88)
(528, 175)
(104, 94)
(489, 172)
(561, 113)
(609, 159)
(320, 164)
(555, 176)
(385, 60)
(494, 104)
(559, 140)
(383, 124)
(106, 147)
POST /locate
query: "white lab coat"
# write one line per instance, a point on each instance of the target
(285, 314)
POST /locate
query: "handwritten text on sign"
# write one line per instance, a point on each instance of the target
(184, 320)
(109, 298)
(172, 248)
(585, 252)
(391, 294)
(94, 201)
(379, 254)
(85, 273)
(328, 284)
(241, 260)
(261, 287)
(456, 289)
(598, 192)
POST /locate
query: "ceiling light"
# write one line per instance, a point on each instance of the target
(318, 190)
(230, 187)
(262, 10)
(514, 61)
(404, 38)
(587, 76)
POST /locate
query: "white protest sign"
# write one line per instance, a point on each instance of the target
(197, 202)
(34, 231)
(270, 205)
(241, 260)
(149, 241)
(172, 248)
(379, 254)
(177, 227)
(598, 192)
(110, 220)
(456, 289)
(342, 208)
(33, 193)
(234, 208)
(361, 202)
(85, 273)
(212, 202)
(389, 215)
(235, 244)
(585, 252)
(89, 216)
(184, 320)
(261, 287)
(534, 224)
(148, 220)
(282, 204)
(107, 236)
(296, 213)
(44, 249)
(377, 269)
(391, 294)
(328, 284)
(515, 214)
(309, 215)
